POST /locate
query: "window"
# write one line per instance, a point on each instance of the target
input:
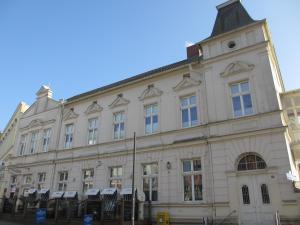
(150, 181)
(46, 139)
(62, 180)
(22, 147)
(41, 181)
(265, 194)
(13, 183)
(33, 142)
(189, 116)
(251, 162)
(241, 99)
(192, 180)
(119, 119)
(88, 176)
(27, 179)
(115, 179)
(151, 119)
(92, 131)
(69, 136)
(245, 195)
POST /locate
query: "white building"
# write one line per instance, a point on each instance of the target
(211, 134)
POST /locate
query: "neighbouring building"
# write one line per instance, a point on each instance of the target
(8, 140)
(212, 135)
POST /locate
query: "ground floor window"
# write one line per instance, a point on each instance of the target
(265, 194)
(62, 180)
(115, 179)
(245, 195)
(150, 181)
(192, 180)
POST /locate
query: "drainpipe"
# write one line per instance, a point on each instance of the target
(57, 142)
(213, 182)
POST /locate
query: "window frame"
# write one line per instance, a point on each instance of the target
(151, 105)
(87, 181)
(258, 164)
(93, 130)
(192, 173)
(240, 94)
(63, 182)
(265, 194)
(120, 133)
(23, 143)
(41, 183)
(149, 177)
(33, 142)
(46, 139)
(245, 196)
(118, 178)
(188, 107)
(26, 182)
(69, 136)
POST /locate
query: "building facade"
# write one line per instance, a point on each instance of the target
(211, 133)
(7, 143)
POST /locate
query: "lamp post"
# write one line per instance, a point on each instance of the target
(133, 173)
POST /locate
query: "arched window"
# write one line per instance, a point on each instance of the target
(245, 194)
(251, 162)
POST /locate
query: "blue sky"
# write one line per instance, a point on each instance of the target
(75, 45)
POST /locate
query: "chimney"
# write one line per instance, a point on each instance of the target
(44, 91)
(193, 51)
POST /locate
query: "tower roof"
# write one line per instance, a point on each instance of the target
(231, 15)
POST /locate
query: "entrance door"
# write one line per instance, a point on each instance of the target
(255, 200)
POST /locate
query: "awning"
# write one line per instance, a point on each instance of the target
(57, 194)
(92, 192)
(108, 191)
(43, 191)
(32, 191)
(127, 191)
(70, 194)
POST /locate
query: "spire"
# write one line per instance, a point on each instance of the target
(231, 15)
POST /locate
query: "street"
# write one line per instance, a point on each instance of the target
(8, 223)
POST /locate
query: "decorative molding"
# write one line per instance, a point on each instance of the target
(37, 123)
(186, 82)
(70, 114)
(119, 101)
(150, 92)
(237, 67)
(93, 108)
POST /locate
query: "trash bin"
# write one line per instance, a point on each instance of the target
(163, 218)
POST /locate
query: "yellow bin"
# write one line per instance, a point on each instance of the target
(163, 218)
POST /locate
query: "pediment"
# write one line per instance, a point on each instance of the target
(150, 92)
(119, 101)
(30, 111)
(237, 67)
(93, 108)
(70, 114)
(37, 123)
(186, 82)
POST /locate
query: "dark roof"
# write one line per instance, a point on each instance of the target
(136, 77)
(231, 17)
